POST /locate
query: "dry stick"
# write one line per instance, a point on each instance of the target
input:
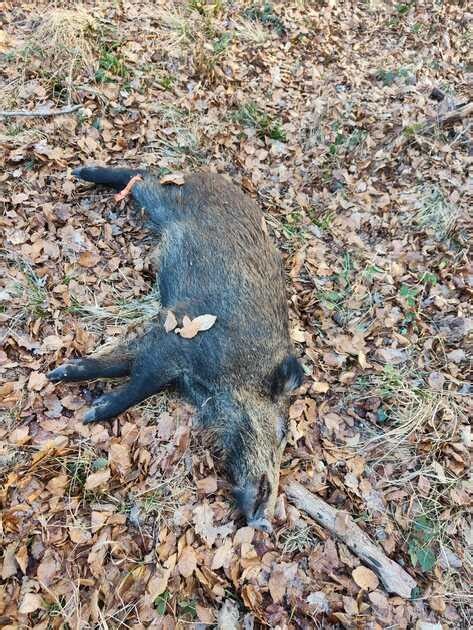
(339, 523)
(400, 138)
(450, 117)
(41, 112)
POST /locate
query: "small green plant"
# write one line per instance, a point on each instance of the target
(250, 115)
(371, 271)
(291, 226)
(56, 608)
(403, 9)
(322, 221)
(205, 9)
(166, 82)
(421, 543)
(388, 77)
(78, 470)
(110, 65)
(266, 15)
(221, 44)
(412, 130)
(429, 278)
(161, 602)
(410, 295)
(344, 140)
(33, 292)
(187, 607)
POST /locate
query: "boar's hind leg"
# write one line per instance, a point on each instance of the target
(153, 369)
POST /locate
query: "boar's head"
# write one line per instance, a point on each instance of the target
(249, 431)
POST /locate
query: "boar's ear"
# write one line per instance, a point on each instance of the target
(286, 377)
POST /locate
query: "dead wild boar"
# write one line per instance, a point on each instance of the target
(215, 258)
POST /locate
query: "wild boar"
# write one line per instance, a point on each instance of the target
(215, 258)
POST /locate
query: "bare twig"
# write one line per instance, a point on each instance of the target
(41, 112)
(450, 117)
(340, 524)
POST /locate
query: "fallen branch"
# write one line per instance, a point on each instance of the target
(41, 112)
(339, 523)
(450, 117)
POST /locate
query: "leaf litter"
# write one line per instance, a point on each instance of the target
(324, 114)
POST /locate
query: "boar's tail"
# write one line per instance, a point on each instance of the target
(118, 178)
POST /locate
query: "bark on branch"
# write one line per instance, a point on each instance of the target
(341, 525)
(40, 112)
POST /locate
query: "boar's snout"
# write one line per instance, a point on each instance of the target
(255, 501)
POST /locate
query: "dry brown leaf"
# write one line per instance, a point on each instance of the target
(79, 533)
(22, 558)
(187, 562)
(10, 565)
(20, 435)
(205, 615)
(73, 403)
(365, 578)
(394, 356)
(30, 603)
(208, 485)
(47, 568)
(198, 324)
(96, 479)
(98, 520)
(436, 381)
(223, 555)
(171, 322)
(37, 381)
(57, 485)
(159, 582)
(88, 259)
(320, 388)
(52, 342)
(277, 585)
(173, 178)
(119, 458)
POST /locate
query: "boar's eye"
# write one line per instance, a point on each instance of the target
(286, 377)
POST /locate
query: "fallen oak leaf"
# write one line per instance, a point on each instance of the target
(31, 603)
(172, 178)
(187, 563)
(96, 479)
(171, 322)
(37, 381)
(88, 259)
(365, 578)
(198, 324)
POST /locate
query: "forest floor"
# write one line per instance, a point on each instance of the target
(334, 116)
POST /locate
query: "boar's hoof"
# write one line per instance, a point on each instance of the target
(73, 370)
(89, 416)
(98, 412)
(59, 374)
(262, 524)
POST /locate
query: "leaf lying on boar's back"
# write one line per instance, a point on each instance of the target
(172, 178)
(198, 324)
(171, 322)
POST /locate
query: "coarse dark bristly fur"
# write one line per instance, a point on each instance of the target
(215, 258)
